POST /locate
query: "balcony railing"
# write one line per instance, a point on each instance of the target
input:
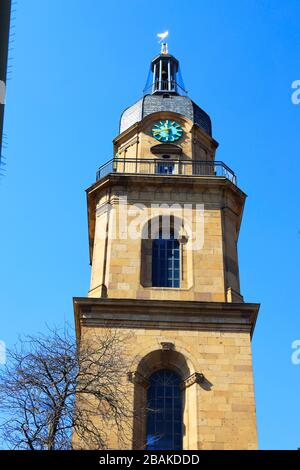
(165, 86)
(165, 167)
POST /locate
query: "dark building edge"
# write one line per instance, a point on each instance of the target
(5, 13)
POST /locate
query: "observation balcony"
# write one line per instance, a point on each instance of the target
(166, 167)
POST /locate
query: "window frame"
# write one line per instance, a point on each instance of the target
(166, 262)
(164, 420)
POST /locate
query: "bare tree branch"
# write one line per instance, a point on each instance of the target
(50, 389)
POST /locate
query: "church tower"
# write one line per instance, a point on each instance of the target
(164, 218)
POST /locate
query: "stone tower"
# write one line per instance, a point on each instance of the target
(164, 218)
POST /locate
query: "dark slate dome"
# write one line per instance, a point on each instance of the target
(165, 91)
(150, 104)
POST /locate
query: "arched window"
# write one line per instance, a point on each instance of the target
(165, 262)
(164, 413)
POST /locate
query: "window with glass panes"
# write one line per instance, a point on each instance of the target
(164, 415)
(165, 168)
(165, 262)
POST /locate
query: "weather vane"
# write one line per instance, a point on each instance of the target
(164, 46)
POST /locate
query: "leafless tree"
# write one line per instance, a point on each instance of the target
(50, 388)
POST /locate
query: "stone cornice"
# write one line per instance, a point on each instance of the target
(130, 131)
(133, 313)
(142, 179)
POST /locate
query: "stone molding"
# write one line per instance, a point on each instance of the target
(195, 378)
(157, 314)
(167, 346)
(137, 379)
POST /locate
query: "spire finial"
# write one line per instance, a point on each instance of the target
(164, 48)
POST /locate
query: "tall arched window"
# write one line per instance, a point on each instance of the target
(165, 262)
(164, 413)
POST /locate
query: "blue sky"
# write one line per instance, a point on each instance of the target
(76, 65)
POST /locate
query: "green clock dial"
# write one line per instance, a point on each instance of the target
(167, 131)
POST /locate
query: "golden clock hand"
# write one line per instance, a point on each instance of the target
(158, 131)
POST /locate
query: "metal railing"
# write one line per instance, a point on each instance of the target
(164, 86)
(165, 167)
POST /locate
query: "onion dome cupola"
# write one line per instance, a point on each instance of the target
(165, 91)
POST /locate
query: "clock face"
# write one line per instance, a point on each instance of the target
(167, 131)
